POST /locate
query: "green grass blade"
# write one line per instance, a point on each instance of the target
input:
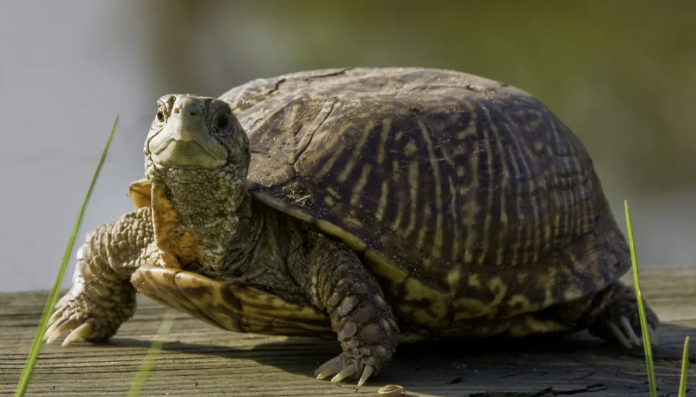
(685, 367)
(641, 308)
(53, 295)
(149, 361)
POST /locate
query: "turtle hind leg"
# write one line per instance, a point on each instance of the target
(614, 316)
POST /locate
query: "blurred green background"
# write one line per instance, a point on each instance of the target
(621, 74)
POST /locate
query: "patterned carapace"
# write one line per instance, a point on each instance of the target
(467, 197)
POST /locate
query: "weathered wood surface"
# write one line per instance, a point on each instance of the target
(199, 360)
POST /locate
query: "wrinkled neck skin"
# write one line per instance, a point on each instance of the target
(214, 208)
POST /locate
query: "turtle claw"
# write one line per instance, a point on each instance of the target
(350, 371)
(329, 368)
(630, 332)
(627, 336)
(59, 328)
(367, 372)
(345, 372)
(83, 331)
(56, 315)
(342, 369)
(620, 337)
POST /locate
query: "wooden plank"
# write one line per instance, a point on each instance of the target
(200, 360)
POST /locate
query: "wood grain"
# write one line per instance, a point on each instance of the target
(197, 359)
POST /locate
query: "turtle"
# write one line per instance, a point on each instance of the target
(373, 205)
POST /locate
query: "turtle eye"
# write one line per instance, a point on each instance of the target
(161, 116)
(222, 120)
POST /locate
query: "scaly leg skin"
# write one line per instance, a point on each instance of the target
(618, 319)
(101, 297)
(359, 313)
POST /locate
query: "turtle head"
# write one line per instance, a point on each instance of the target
(190, 131)
(196, 161)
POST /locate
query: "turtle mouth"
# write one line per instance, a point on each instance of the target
(174, 152)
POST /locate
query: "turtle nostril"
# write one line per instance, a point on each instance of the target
(193, 113)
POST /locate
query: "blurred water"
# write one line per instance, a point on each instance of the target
(621, 74)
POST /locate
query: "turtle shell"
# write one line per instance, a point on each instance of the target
(467, 198)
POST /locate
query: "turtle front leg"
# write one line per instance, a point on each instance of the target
(360, 316)
(102, 297)
(614, 316)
